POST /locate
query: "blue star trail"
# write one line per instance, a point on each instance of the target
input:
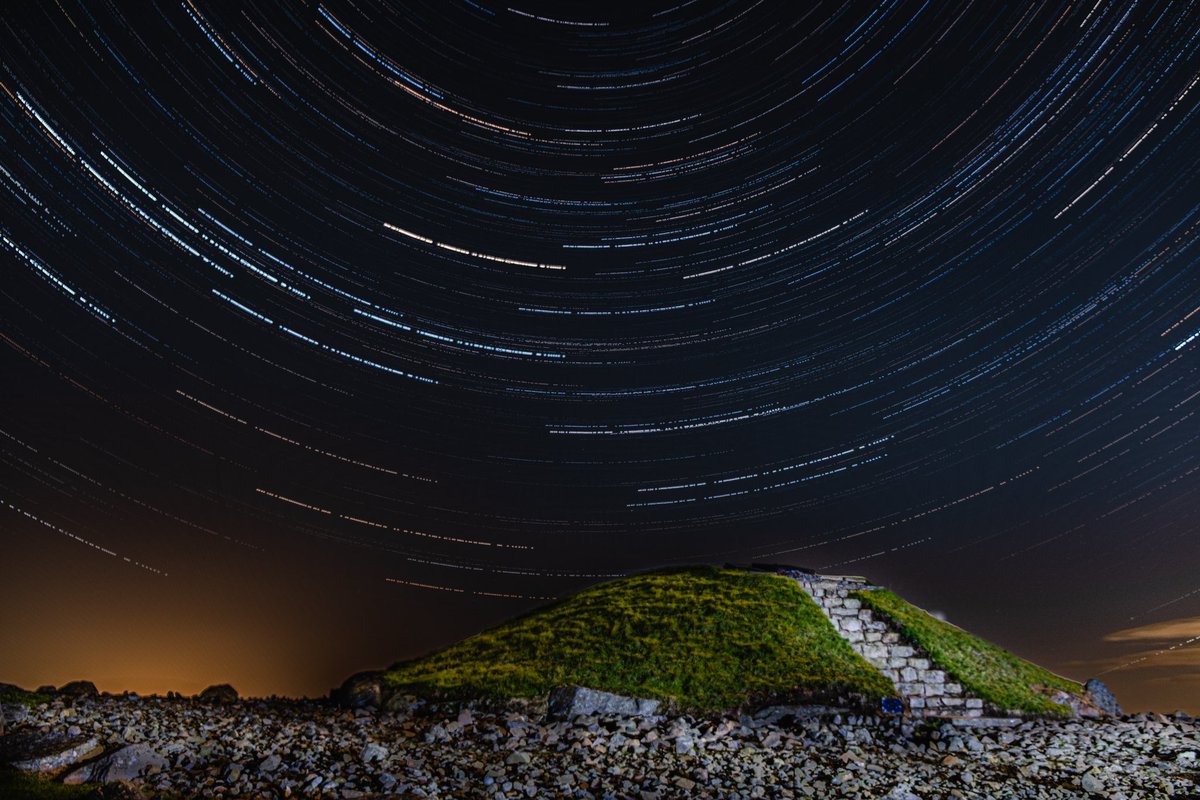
(490, 301)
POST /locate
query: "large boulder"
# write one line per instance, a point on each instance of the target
(573, 701)
(361, 690)
(220, 693)
(33, 751)
(125, 764)
(79, 689)
(1098, 695)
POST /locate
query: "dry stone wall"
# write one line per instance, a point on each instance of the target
(926, 690)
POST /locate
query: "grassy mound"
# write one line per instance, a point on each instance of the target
(702, 638)
(989, 672)
(16, 696)
(21, 786)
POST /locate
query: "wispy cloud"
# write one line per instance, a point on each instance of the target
(1172, 644)
(1171, 630)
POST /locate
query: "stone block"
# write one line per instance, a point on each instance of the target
(919, 663)
(874, 651)
(873, 636)
(891, 637)
(953, 688)
(932, 675)
(853, 602)
(916, 702)
(974, 702)
(902, 651)
(853, 636)
(911, 689)
(840, 611)
(574, 701)
(908, 675)
(850, 624)
(952, 702)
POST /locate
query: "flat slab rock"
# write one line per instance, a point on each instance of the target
(575, 701)
(985, 722)
(120, 765)
(31, 751)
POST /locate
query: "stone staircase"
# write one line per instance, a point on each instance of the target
(927, 692)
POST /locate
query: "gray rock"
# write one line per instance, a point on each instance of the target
(121, 765)
(269, 764)
(373, 752)
(361, 690)
(1095, 692)
(220, 693)
(34, 751)
(12, 715)
(1091, 783)
(575, 701)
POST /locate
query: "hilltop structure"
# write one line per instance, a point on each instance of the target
(708, 639)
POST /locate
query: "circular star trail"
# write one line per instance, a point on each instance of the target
(474, 303)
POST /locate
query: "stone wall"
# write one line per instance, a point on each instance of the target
(926, 690)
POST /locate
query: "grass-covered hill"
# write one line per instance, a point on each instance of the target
(701, 638)
(708, 639)
(991, 673)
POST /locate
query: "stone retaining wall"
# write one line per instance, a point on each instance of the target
(926, 690)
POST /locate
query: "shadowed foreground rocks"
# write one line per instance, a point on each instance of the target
(176, 747)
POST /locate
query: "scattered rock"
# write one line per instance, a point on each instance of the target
(373, 752)
(269, 764)
(281, 748)
(575, 701)
(1090, 782)
(11, 716)
(220, 693)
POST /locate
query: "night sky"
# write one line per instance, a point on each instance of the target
(333, 332)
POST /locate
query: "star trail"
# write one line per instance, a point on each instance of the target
(445, 309)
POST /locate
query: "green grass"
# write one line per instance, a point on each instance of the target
(11, 695)
(989, 672)
(21, 786)
(701, 638)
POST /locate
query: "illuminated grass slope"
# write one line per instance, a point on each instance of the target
(986, 671)
(701, 638)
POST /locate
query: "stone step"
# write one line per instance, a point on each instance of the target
(927, 690)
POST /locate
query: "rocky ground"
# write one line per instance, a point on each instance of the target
(177, 747)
